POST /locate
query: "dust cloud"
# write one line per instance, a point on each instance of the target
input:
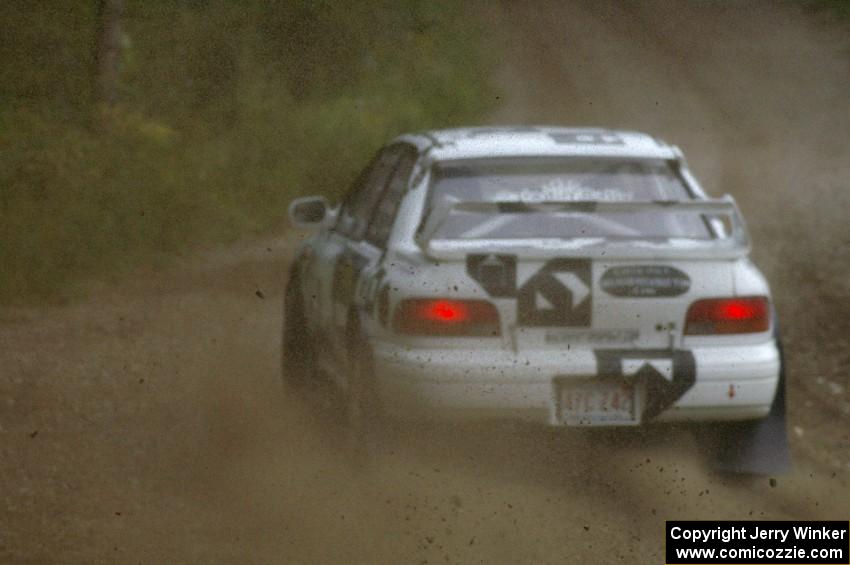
(147, 424)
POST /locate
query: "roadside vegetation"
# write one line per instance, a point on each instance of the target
(837, 8)
(221, 113)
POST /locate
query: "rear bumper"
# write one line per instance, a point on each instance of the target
(732, 382)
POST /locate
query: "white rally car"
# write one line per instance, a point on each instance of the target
(574, 277)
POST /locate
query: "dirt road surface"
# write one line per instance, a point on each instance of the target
(145, 424)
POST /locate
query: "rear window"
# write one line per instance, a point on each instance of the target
(530, 181)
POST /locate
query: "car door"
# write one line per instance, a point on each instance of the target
(374, 245)
(337, 261)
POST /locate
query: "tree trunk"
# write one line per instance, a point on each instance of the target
(107, 50)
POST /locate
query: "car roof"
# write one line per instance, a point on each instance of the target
(530, 141)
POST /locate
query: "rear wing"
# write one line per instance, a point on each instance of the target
(721, 215)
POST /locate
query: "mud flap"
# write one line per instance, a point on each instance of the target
(759, 447)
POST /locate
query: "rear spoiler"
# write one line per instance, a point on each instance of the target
(730, 236)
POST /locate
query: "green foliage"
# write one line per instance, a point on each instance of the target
(227, 110)
(839, 9)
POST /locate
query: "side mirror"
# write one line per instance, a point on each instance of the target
(310, 212)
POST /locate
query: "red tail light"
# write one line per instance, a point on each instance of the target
(713, 316)
(444, 317)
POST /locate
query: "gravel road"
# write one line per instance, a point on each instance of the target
(145, 423)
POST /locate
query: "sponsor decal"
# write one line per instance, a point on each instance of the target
(495, 273)
(666, 374)
(581, 336)
(645, 281)
(557, 295)
(560, 190)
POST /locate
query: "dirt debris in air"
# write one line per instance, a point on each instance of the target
(210, 463)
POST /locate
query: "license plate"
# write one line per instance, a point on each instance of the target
(597, 403)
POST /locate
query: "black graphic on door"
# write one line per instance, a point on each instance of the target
(557, 295)
(666, 374)
(346, 272)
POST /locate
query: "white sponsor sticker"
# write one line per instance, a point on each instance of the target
(560, 190)
(591, 336)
